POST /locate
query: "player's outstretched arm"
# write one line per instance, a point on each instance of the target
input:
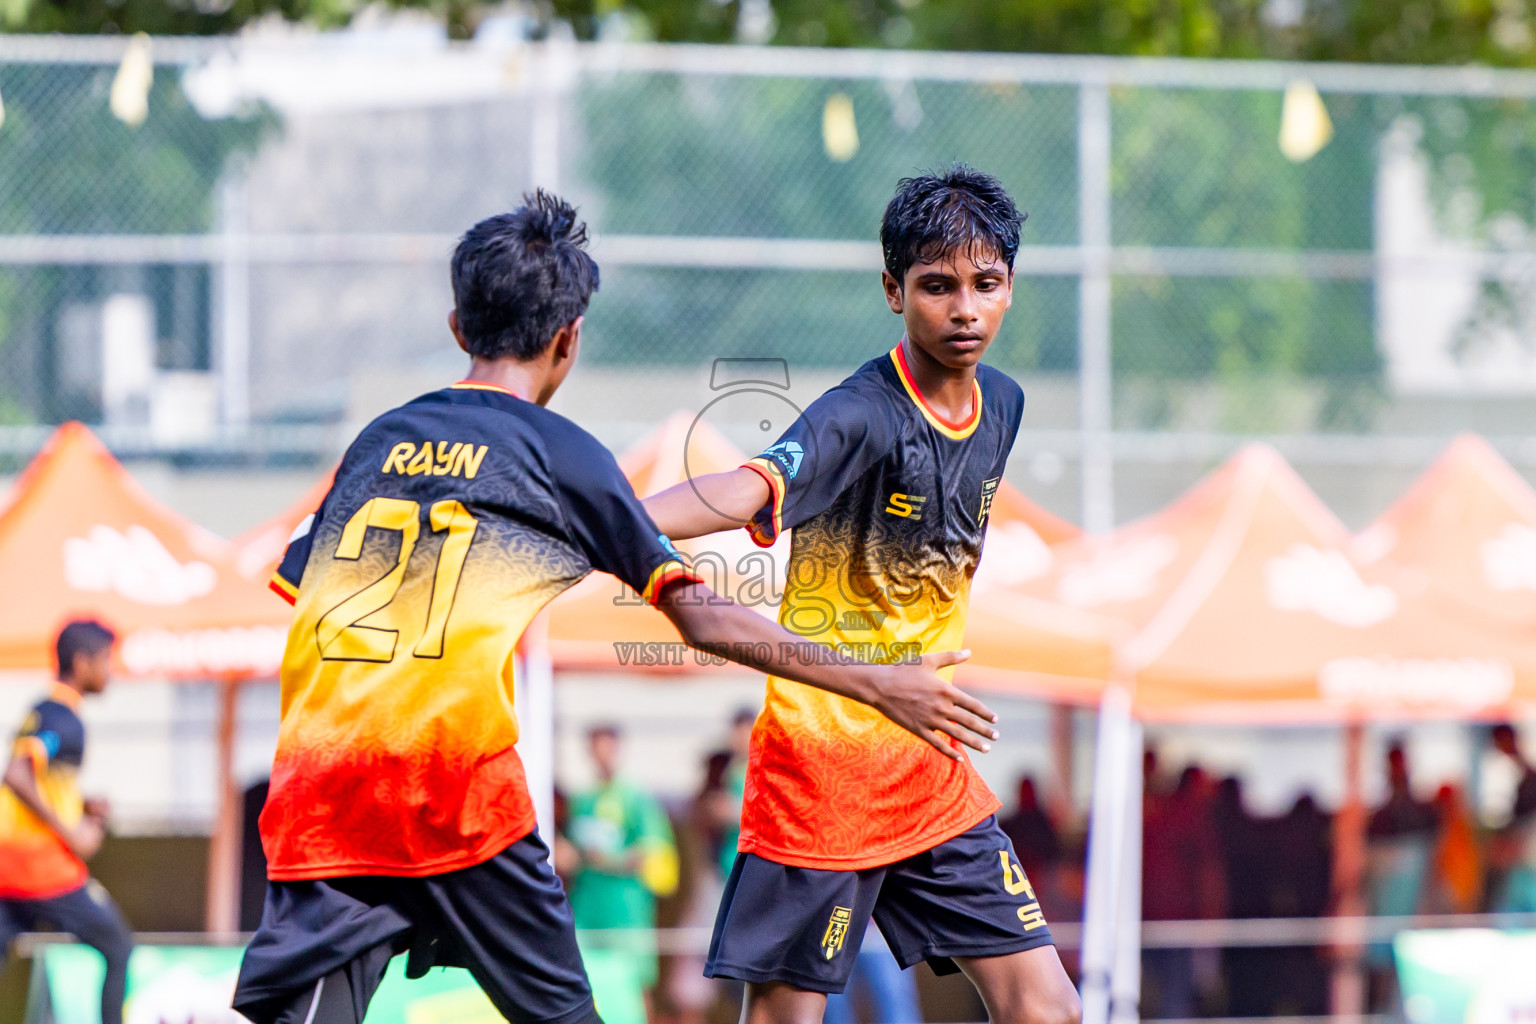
(912, 694)
(709, 504)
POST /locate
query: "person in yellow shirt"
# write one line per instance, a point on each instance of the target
(48, 832)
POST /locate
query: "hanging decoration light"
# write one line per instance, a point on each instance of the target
(1305, 127)
(129, 99)
(839, 130)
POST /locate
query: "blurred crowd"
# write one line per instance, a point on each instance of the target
(632, 863)
(1206, 856)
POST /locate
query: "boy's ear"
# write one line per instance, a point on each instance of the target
(458, 335)
(893, 294)
(566, 340)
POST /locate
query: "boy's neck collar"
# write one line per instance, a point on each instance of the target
(67, 695)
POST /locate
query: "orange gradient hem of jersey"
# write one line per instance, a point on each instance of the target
(953, 431)
(771, 473)
(336, 812)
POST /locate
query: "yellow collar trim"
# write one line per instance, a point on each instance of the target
(953, 431)
(480, 385)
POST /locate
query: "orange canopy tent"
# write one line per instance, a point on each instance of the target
(81, 537)
(1245, 606)
(259, 549)
(1467, 527)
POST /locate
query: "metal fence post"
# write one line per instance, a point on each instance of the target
(1094, 394)
(233, 355)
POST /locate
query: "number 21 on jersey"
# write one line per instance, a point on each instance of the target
(338, 632)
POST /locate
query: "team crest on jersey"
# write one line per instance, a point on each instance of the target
(788, 454)
(988, 492)
(837, 930)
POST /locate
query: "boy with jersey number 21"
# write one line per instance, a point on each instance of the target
(886, 481)
(399, 818)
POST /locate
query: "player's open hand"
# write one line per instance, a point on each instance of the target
(915, 697)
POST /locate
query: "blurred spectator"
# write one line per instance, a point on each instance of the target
(1248, 973)
(879, 982)
(1399, 837)
(1399, 834)
(1456, 871)
(729, 811)
(1507, 742)
(626, 857)
(691, 993)
(1182, 879)
(1033, 833)
(1299, 878)
(1512, 854)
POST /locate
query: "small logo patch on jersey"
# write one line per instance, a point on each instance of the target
(837, 930)
(988, 492)
(787, 454)
(439, 459)
(908, 506)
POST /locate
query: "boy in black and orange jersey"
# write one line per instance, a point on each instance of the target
(47, 832)
(886, 481)
(399, 816)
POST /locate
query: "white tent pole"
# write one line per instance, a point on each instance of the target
(1106, 839)
(535, 704)
(1125, 979)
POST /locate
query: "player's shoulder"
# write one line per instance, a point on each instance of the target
(995, 382)
(1001, 391)
(871, 392)
(49, 715)
(477, 414)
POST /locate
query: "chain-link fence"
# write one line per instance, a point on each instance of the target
(246, 270)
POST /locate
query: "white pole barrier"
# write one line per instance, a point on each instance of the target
(1125, 977)
(1106, 839)
(535, 704)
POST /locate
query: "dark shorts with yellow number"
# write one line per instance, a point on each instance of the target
(966, 897)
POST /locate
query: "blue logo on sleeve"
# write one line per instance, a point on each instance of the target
(666, 542)
(50, 743)
(787, 454)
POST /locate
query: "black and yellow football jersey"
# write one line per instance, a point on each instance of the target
(888, 504)
(452, 520)
(35, 862)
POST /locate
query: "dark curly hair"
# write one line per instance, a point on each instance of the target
(937, 215)
(519, 277)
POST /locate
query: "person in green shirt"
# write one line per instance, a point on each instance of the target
(735, 786)
(627, 855)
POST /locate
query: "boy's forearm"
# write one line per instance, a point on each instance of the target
(708, 504)
(738, 634)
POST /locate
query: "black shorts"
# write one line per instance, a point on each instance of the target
(507, 920)
(966, 897)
